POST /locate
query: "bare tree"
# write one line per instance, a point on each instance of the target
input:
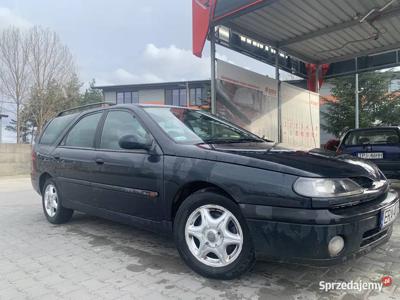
(50, 60)
(53, 72)
(14, 70)
(37, 72)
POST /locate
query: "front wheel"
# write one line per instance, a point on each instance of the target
(212, 236)
(52, 207)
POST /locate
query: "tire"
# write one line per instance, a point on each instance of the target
(52, 204)
(208, 251)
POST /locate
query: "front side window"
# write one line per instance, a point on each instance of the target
(83, 133)
(119, 124)
(193, 127)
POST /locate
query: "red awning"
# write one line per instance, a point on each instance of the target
(201, 24)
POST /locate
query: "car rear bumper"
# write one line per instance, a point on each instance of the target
(302, 235)
(35, 183)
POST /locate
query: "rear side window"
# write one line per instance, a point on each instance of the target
(119, 124)
(82, 135)
(54, 129)
(373, 137)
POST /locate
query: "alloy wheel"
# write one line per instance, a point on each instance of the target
(51, 200)
(214, 236)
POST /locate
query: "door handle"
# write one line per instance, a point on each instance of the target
(99, 161)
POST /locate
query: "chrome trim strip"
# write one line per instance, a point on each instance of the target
(146, 193)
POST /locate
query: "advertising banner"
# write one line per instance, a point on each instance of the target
(250, 100)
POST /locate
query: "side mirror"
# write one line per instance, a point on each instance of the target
(130, 142)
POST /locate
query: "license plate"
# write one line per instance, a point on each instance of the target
(371, 155)
(388, 215)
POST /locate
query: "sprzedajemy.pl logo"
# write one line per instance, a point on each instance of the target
(356, 285)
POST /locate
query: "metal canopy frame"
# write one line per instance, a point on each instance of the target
(318, 32)
(311, 39)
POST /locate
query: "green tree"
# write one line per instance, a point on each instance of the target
(377, 105)
(26, 130)
(44, 104)
(91, 95)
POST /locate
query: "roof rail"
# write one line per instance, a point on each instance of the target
(84, 107)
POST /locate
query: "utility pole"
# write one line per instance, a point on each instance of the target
(278, 95)
(317, 76)
(213, 80)
(357, 108)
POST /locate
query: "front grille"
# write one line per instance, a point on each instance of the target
(372, 235)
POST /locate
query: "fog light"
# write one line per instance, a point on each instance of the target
(336, 245)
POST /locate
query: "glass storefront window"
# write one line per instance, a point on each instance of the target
(120, 98)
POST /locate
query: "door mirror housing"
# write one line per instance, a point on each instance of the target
(130, 142)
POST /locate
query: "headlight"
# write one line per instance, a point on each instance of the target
(326, 187)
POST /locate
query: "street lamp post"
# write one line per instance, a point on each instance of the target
(357, 91)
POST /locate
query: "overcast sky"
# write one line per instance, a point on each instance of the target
(123, 41)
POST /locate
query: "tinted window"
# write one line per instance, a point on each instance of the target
(135, 97)
(120, 98)
(83, 133)
(54, 129)
(176, 97)
(119, 124)
(375, 137)
(127, 97)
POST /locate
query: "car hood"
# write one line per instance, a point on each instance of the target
(314, 163)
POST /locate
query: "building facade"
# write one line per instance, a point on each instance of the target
(184, 93)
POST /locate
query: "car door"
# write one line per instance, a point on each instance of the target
(76, 155)
(129, 181)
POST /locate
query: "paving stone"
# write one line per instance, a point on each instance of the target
(90, 258)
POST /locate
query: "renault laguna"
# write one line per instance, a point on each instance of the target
(226, 195)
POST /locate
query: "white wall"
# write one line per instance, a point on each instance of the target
(300, 117)
(110, 96)
(152, 96)
(250, 100)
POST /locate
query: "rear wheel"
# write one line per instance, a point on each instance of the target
(53, 210)
(212, 236)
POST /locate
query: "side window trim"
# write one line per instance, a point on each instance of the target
(61, 144)
(101, 128)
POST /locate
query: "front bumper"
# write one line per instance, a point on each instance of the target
(302, 235)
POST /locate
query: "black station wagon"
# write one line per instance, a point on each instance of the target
(227, 196)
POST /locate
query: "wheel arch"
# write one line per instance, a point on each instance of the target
(42, 180)
(191, 187)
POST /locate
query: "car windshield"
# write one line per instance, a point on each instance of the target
(373, 137)
(194, 127)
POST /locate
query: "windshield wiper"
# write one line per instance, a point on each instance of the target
(232, 141)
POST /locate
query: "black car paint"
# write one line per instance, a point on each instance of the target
(143, 188)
